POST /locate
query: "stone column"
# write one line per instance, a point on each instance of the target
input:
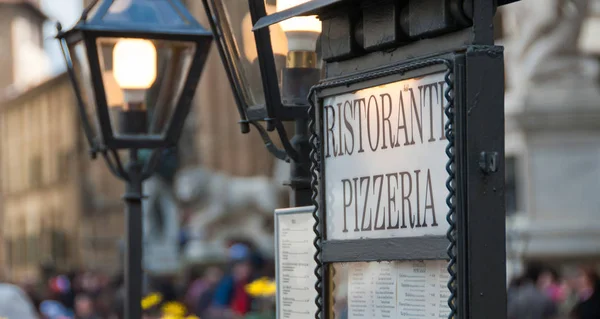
(553, 128)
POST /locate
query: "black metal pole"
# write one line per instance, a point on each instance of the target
(300, 194)
(133, 249)
(299, 76)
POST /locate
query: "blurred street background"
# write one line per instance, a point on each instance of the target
(208, 217)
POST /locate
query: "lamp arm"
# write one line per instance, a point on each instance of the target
(278, 153)
(285, 141)
(114, 165)
(151, 164)
(120, 167)
(87, 10)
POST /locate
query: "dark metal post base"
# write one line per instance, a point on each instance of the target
(300, 170)
(133, 249)
(295, 88)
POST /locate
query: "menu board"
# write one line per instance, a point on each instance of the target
(407, 290)
(295, 263)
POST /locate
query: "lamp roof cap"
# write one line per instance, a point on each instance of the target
(316, 7)
(140, 16)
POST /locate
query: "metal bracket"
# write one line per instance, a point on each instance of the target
(488, 162)
(299, 182)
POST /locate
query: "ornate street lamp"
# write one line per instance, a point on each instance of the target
(134, 66)
(271, 73)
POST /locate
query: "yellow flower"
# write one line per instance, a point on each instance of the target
(262, 287)
(151, 301)
(174, 309)
(270, 289)
(255, 288)
(170, 316)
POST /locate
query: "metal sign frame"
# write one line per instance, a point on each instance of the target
(475, 199)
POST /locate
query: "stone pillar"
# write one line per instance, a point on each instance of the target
(553, 129)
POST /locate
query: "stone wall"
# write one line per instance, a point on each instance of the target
(39, 135)
(552, 130)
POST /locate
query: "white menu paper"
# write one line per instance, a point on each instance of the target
(360, 291)
(406, 290)
(295, 263)
(384, 277)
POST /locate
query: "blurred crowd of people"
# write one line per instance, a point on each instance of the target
(241, 288)
(541, 292)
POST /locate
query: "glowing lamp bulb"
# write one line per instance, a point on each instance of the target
(134, 66)
(302, 32)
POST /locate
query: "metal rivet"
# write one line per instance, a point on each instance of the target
(488, 162)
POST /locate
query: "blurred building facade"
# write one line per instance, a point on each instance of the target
(41, 207)
(60, 210)
(18, 19)
(552, 131)
(22, 59)
(63, 211)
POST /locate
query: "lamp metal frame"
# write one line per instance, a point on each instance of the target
(88, 30)
(105, 142)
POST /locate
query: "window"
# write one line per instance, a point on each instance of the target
(59, 246)
(31, 65)
(46, 242)
(35, 171)
(65, 160)
(20, 251)
(510, 188)
(10, 250)
(32, 243)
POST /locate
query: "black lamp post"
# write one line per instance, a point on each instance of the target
(271, 77)
(134, 66)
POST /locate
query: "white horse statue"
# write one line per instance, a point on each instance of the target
(229, 207)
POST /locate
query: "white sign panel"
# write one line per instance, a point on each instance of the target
(409, 290)
(385, 161)
(295, 263)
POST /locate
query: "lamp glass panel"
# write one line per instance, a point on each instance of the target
(236, 23)
(146, 12)
(233, 17)
(143, 82)
(83, 79)
(300, 66)
(302, 48)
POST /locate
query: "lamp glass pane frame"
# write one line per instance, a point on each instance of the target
(96, 123)
(269, 104)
